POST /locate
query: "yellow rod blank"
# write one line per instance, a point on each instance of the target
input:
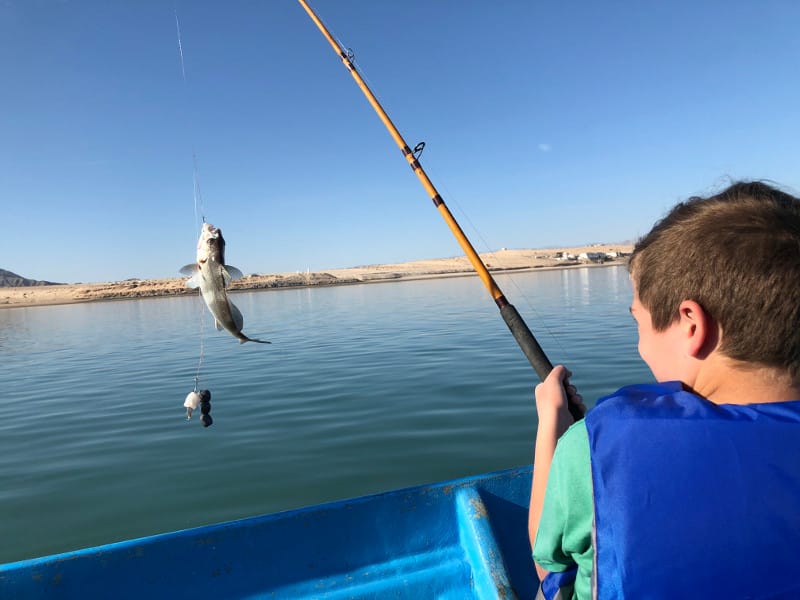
(465, 244)
(527, 342)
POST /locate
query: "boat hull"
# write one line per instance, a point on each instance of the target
(465, 538)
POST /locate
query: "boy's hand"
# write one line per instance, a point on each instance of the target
(551, 399)
(554, 420)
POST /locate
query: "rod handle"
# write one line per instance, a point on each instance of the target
(532, 350)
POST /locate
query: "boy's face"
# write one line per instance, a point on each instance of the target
(659, 349)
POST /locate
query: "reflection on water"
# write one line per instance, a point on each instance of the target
(364, 388)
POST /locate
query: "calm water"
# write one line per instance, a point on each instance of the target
(364, 388)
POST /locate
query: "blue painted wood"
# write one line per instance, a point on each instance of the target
(458, 539)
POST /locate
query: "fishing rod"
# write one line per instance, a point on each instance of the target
(527, 342)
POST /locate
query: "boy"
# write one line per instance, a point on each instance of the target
(689, 488)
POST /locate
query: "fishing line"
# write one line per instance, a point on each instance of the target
(196, 396)
(351, 56)
(542, 323)
(524, 337)
(198, 196)
(451, 198)
(418, 148)
(202, 352)
(516, 325)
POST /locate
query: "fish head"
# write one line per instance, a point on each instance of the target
(211, 245)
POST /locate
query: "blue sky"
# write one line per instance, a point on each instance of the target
(546, 123)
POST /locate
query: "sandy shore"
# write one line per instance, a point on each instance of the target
(497, 262)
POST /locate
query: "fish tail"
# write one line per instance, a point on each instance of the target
(243, 338)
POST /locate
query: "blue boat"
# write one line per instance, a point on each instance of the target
(459, 539)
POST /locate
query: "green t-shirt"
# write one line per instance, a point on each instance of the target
(565, 530)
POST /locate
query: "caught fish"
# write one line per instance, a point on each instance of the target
(212, 276)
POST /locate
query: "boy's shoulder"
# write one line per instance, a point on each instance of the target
(633, 399)
(669, 401)
(642, 392)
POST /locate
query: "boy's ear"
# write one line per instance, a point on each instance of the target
(700, 334)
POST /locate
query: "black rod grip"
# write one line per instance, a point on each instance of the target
(532, 350)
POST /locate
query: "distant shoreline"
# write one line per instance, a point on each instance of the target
(498, 263)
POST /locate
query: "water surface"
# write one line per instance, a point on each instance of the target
(365, 388)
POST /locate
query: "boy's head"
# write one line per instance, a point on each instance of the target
(737, 254)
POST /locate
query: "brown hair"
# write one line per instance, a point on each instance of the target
(737, 254)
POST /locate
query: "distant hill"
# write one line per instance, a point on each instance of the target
(9, 279)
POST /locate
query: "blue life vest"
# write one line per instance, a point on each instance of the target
(693, 499)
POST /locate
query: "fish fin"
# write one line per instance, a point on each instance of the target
(238, 319)
(217, 325)
(233, 272)
(194, 275)
(188, 270)
(194, 282)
